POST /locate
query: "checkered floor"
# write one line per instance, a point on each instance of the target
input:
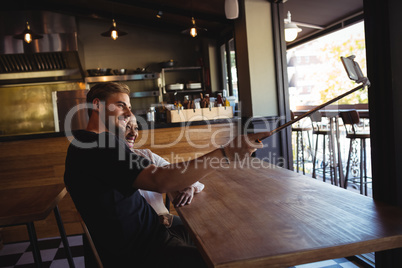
(19, 255)
(337, 263)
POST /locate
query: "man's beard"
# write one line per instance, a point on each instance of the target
(115, 127)
(120, 131)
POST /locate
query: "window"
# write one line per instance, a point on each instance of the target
(229, 70)
(316, 74)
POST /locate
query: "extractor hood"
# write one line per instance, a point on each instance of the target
(53, 58)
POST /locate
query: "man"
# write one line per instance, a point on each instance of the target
(103, 177)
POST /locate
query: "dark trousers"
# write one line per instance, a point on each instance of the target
(177, 250)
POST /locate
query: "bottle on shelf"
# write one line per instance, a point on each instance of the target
(206, 101)
(219, 100)
(151, 114)
(226, 102)
(178, 105)
(186, 102)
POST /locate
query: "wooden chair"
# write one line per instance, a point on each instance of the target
(300, 142)
(351, 120)
(92, 259)
(321, 129)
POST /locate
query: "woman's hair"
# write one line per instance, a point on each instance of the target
(102, 91)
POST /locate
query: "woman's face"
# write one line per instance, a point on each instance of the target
(131, 132)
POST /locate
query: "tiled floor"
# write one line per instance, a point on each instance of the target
(337, 263)
(19, 255)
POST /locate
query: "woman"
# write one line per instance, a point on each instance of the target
(156, 199)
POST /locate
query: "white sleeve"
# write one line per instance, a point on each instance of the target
(144, 153)
(198, 187)
(159, 161)
(155, 200)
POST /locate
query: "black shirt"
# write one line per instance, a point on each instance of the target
(100, 171)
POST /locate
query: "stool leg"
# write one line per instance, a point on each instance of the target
(34, 243)
(348, 165)
(309, 140)
(302, 147)
(297, 151)
(331, 160)
(323, 157)
(363, 141)
(315, 156)
(333, 172)
(63, 237)
(361, 166)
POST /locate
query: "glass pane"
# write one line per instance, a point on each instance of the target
(315, 71)
(224, 68)
(233, 68)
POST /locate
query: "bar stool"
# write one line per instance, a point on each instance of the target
(351, 119)
(320, 128)
(300, 142)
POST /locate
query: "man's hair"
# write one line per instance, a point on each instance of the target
(102, 91)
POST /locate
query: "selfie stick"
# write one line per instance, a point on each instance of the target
(354, 73)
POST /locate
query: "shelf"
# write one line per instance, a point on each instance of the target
(197, 74)
(176, 69)
(127, 77)
(186, 91)
(143, 94)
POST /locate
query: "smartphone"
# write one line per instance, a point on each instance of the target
(353, 69)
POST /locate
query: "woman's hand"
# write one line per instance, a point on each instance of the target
(184, 197)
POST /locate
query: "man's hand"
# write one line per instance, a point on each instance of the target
(184, 197)
(244, 145)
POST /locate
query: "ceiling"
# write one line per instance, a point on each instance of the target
(328, 14)
(209, 14)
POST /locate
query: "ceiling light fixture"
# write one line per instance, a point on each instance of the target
(113, 31)
(27, 35)
(159, 14)
(193, 30)
(291, 29)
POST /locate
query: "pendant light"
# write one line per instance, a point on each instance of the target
(113, 31)
(27, 35)
(194, 30)
(291, 29)
(159, 14)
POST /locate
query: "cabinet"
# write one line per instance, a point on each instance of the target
(184, 76)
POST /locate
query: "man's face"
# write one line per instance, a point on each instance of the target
(117, 112)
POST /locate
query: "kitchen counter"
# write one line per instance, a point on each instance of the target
(156, 125)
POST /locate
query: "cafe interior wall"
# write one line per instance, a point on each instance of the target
(28, 109)
(140, 48)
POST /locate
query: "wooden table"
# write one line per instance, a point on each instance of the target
(26, 205)
(265, 216)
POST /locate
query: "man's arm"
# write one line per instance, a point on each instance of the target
(177, 176)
